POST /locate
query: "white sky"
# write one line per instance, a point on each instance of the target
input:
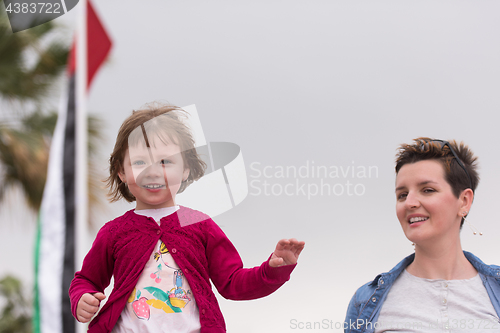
(323, 83)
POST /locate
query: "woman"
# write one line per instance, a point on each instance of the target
(439, 287)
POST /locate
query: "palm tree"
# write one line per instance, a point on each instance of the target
(30, 63)
(15, 317)
(29, 66)
(24, 156)
(24, 153)
(20, 78)
(27, 71)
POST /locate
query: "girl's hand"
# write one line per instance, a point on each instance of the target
(88, 306)
(287, 252)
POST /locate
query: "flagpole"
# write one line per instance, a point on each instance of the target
(81, 195)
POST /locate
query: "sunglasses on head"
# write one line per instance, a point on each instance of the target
(444, 143)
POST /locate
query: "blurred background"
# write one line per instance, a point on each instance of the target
(305, 86)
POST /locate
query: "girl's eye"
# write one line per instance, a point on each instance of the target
(165, 162)
(139, 162)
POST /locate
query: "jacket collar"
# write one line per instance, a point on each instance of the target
(390, 276)
(481, 267)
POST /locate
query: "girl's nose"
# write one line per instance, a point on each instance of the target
(154, 170)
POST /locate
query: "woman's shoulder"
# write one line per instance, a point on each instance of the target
(359, 300)
(382, 280)
(482, 268)
(364, 292)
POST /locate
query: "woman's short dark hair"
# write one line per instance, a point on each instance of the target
(460, 174)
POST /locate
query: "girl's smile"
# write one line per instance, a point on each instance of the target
(154, 174)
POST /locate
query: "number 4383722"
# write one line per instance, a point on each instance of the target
(34, 7)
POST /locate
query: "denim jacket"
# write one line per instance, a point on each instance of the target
(365, 305)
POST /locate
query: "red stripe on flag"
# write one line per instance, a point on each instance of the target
(98, 43)
(98, 46)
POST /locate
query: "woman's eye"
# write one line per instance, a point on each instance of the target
(402, 196)
(429, 190)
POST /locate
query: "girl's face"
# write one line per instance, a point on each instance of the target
(154, 175)
(426, 207)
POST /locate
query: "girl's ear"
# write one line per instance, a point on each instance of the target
(185, 174)
(121, 174)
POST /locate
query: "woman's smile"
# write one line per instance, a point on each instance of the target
(416, 219)
(426, 206)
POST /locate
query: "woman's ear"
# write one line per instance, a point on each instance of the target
(466, 198)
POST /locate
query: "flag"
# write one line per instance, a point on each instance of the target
(55, 241)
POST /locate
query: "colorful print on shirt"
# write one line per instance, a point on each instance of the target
(163, 273)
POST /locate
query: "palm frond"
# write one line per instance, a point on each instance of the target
(24, 156)
(20, 78)
(16, 312)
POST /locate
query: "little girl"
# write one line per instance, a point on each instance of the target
(162, 256)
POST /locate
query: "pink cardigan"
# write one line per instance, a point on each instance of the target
(202, 251)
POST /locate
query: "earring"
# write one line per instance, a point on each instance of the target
(475, 231)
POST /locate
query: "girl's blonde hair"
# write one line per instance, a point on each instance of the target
(164, 121)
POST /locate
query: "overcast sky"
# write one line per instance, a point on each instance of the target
(309, 85)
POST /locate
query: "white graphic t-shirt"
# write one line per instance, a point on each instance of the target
(162, 300)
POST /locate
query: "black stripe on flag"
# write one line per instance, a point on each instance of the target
(69, 180)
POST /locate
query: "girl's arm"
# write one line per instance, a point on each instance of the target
(238, 283)
(88, 306)
(96, 271)
(286, 253)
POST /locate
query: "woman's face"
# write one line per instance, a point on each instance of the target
(426, 207)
